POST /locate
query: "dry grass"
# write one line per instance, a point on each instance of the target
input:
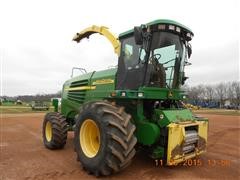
(18, 109)
(218, 111)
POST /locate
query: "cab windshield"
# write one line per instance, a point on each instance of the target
(160, 67)
(167, 49)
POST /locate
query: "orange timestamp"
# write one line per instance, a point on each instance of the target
(198, 162)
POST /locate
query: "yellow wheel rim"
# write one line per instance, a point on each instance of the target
(48, 131)
(89, 137)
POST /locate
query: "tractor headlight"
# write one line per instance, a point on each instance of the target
(123, 94)
(140, 94)
(161, 116)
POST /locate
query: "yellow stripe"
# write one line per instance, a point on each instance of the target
(103, 81)
(80, 88)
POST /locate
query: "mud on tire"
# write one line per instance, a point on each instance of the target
(117, 140)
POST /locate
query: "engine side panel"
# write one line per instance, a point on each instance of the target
(87, 87)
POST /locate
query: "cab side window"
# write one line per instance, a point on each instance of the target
(130, 53)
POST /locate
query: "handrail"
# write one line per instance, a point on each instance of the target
(82, 70)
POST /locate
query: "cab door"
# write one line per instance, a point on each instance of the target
(130, 72)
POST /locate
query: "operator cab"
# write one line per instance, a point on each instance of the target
(154, 55)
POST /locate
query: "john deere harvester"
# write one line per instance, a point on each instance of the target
(137, 103)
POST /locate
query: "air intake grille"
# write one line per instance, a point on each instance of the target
(190, 141)
(77, 96)
(79, 83)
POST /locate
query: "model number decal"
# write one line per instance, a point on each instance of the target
(103, 81)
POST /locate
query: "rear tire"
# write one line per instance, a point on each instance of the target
(104, 138)
(54, 130)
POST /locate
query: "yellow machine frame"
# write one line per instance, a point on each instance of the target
(101, 30)
(176, 136)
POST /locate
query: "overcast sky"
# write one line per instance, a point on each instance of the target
(37, 52)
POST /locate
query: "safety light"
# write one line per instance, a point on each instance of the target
(123, 94)
(140, 94)
(113, 94)
(178, 29)
(189, 34)
(161, 116)
(171, 27)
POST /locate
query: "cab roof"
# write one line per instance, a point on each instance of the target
(156, 22)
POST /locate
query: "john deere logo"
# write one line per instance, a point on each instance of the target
(170, 94)
(103, 81)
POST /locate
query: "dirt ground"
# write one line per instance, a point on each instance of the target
(23, 155)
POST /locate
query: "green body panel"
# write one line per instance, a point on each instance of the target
(103, 89)
(71, 106)
(158, 21)
(172, 116)
(151, 93)
(147, 133)
(55, 104)
(158, 152)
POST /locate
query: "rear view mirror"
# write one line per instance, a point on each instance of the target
(184, 78)
(189, 49)
(138, 35)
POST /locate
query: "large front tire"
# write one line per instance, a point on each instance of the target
(104, 138)
(54, 130)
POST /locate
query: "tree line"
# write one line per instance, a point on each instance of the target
(224, 94)
(30, 98)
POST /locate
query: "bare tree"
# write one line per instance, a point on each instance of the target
(201, 92)
(209, 92)
(196, 92)
(236, 92)
(230, 92)
(211, 95)
(221, 90)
